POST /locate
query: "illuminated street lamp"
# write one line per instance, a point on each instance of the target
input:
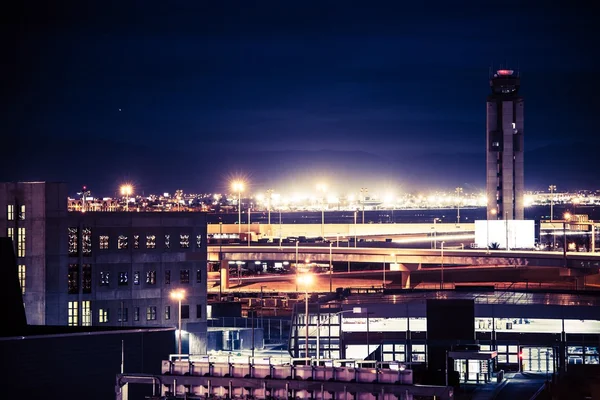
(126, 191)
(321, 187)
(552, 189)
(238, 186)
(459, 190)
(363, 196)
(567, 218)
(269, 196)
(178, 295)
(306, 279)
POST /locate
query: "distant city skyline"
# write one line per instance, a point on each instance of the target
(194, 93)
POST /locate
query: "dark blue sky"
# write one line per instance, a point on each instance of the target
(355, 93)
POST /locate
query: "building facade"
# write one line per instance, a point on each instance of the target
(504, 148)
(105, 268)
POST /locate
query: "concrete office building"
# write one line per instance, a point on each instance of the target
(105, 268)
(504, 148)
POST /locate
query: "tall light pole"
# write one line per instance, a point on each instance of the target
(459, 190)
(321, 187)
(178, 295)
(552, 189)
(442, 276)
(363, 196)
(493, 211)
(249, 207)
(355, 228)
(269, 195)
(435, 233)
(306, 279)
(238, 186)
(126, 191)
(330, 268)
(567, 218)
(297, 264)
(506, 226)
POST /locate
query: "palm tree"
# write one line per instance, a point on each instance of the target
(494, 246)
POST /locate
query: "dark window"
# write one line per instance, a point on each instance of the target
(184, 276)
(185, 311)
(73, 284)
(199, 276)
(87, 278)
(136, 313)
(168, 277)
(123, 278)
(122, 314)
(199, 311)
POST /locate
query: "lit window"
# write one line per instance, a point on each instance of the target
(122, 314)
(86, 282)
(72, 313)
(103, 242)
(104, 278)
(136, 313)
(10, 232)
(123, 278)
(136, 277)
(22, 213)
(73, 279)
(151, 313)
(150, 241)
(10, 212)
(184, 241)
(22, 271)
(103, 315)
(86, 241)
(86, 313)
(73, 248)
(122, 242)
(136, 241)
(168, 312)
(151, 277)
(167, 241)
(184, 276)
(198, 241)
(168, 277)
(21, 242)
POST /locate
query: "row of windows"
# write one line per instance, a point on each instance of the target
(10, 212)
(104, 315)
(123, 278)
(10, 232)
(123, 241)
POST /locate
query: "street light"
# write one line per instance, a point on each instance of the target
(238, 186)
(178, 295)
(567, 218)
(330, 267)
(442, 264)
(269, 195)
(459, 190)
(355, 228)
(355, 310)
(363, 195)
(552, 189)
(321, 187)
(297, 264)
(126, 191)
(493, 211)
(435, 233)
(306, 279)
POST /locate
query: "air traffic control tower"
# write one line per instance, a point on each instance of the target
(504, 160)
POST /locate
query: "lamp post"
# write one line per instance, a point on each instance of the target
(506, 227)
(442, 264)
(363, 195)
(321, 187)
(493, 211)
(126, 191)
(330, 268)
(269, 194)
(238, 186)
(355, 228)
(458, 192)
(552, 189)
(297, 264)
(249, 208)
(319, 323)
(306, 279)
(178, 295)
(383, 282)
(567, 218)
(435, 233)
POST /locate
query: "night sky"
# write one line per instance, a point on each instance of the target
(171, 95)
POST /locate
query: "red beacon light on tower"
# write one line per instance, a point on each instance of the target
(505, 72)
